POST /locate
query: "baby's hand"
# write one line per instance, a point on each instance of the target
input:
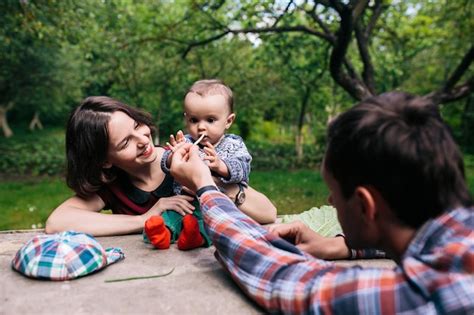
(213, 161)
(175, 140)
(174, 144)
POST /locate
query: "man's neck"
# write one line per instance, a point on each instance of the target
(397, 239)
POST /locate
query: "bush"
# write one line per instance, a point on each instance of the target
(282, 156)
(39, 153)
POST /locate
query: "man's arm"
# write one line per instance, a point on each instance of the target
(275, 273)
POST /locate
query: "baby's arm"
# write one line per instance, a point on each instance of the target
(231, 160)
(167, 155)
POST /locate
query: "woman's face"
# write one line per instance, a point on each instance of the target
(130, 143)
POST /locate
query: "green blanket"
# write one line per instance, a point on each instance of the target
(322, 220)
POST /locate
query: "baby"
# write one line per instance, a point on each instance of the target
(209, 113)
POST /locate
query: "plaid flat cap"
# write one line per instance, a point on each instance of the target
(63, 256)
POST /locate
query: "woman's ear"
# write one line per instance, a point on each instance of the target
(368, 202)
(230, 120)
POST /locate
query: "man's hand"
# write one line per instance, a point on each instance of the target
(188, 168)
(311, 242)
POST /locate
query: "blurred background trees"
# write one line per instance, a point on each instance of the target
(292, 64)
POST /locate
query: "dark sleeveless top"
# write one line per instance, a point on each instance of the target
(122, 197)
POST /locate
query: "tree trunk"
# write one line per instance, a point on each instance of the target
(299, 130)
(7, 132)
(467, 123)
(36, 122)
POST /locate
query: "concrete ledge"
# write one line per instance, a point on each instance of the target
(198, 285)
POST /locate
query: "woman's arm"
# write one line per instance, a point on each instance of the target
(83, 215)
(256, 205)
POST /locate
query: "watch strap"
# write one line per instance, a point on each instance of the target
(202, 190)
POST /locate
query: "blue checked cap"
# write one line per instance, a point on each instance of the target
(63, 256)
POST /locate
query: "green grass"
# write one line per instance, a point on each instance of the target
(291, 191)
(26, 204)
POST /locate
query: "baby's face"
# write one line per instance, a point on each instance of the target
(209, 115)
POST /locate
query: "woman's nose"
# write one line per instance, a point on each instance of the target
(142, 140)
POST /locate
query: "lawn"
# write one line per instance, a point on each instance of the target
(26, 204)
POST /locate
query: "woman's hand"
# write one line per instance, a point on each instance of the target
(311, 242)
(180, 203)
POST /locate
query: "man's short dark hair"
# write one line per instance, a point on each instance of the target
(398, 144)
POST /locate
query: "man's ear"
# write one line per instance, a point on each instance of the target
(367, 201)
(230, 120)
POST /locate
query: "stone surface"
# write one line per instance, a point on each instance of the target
(198, 285)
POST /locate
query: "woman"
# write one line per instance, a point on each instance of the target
(112, 163)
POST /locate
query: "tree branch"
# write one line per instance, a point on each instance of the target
(351, 84)
(378, 9)
(362, 45)
(326, 30)
(449, 92)
(281, 15)
(460, 70)
(282, 29)
(454, 94)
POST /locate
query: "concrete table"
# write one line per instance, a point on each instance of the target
(198, 284)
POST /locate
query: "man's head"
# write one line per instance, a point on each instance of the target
(208, 109)
(398, 146)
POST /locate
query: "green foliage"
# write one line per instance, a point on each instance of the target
(39, 153)
(278, 156)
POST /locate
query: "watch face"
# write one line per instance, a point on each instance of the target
(240, 198)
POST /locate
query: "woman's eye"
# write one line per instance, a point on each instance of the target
(125, 144)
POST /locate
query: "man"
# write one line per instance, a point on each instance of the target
(396, 178)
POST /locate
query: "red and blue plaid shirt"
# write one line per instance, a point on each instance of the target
(435, 276)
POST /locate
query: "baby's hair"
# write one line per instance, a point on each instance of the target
(213, 87)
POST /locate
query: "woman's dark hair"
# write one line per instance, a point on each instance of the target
(87, 142)
(398, 144)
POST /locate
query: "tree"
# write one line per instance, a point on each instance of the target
(37, 70)
(349, 27)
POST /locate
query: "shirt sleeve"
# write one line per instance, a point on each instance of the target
(282, 279)
(164, 160)
(238, 163)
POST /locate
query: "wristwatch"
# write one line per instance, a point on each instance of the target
(240, 197)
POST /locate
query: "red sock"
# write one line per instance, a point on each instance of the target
(190, 236)
(157, 232)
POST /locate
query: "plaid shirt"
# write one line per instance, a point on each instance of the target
(435, 276)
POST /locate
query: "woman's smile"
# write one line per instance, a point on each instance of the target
(148, 151)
